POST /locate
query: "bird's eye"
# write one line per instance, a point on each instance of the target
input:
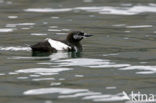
(82, 34)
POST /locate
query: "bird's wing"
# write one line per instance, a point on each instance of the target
(58, 45)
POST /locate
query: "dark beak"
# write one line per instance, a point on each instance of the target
(87, 35)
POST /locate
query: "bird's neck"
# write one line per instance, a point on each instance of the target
(76, 46)
(71, 43)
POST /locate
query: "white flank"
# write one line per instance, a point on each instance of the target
(57, 44)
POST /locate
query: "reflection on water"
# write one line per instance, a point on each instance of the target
(54, 90)
(18, 48)
(102, 10)
(58, 55)
(143, 69)
(139, 26)
(92, 63)
(47, 10)
(43, 71)
(38, 34)
(6, 30)
(83, 93)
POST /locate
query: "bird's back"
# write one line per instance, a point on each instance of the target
(50, 45)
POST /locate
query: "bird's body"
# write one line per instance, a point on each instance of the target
(71, 43)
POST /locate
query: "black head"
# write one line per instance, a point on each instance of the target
(77, 36)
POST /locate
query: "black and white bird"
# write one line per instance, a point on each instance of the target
(71, 43)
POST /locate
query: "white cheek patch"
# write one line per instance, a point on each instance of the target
(57, 44)
(77, 37)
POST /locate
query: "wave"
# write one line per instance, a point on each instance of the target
(133, 10)
(17, 48)
(85, 94)
(43, 71)
(92, 63)
(6, 30)
(47, 10)
(142, 69)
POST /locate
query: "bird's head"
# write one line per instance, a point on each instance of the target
(77, 36)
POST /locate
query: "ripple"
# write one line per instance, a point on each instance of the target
(12, 17)
(111, 87)
(20, 24)
(55, 17)
(66, 29)
(22, 77)
(55, 83)
(120, 10)
(119, 25)
(99, 63)
(43, 71)
(139, 26)
(133, 10)
(53, 90)
(1, 74)
(47, 10)
(34, 75)
(22, 57)
(61, 33)
(53, 26)
(12, 73)
(38, 34)
(85, 94)
(77, 75)
(54, 30)
(87, 1)
(111, 54)
(88, 93)
(43, 79)
(126, 4)
(18, 48)
(52, 57)
(147, 69)
(6, 30)
(48, 101)
(25, 28)
(92, 63)
(25, 24)
(82, 62)
(108, 97)
(10, 25)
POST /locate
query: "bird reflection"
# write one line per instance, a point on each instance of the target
(57, 55)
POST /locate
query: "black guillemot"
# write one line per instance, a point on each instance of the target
(71, 43)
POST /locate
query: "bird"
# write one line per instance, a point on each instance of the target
(72, 43)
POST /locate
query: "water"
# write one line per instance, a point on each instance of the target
(118, 59)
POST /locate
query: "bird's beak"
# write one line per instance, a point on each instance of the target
(87, 35)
